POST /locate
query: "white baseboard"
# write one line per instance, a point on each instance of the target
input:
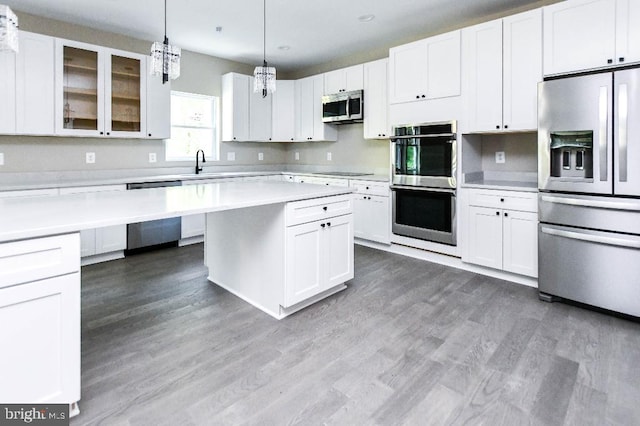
(449, 260)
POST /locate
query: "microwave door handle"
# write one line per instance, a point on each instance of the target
(612, 241)
(603, 112)
(623, 117)
(348, 107)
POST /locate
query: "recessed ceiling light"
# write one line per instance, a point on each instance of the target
(284, 47)
(366, 18)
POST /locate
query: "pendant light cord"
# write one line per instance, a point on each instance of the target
(165, 22)
(264, 32)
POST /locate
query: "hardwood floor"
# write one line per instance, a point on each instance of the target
(409, 342)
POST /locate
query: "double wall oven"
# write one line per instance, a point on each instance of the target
(424, 181)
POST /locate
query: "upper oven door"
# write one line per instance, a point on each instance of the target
(575, 134)
(425, 161)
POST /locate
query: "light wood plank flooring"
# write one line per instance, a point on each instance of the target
(409, 342)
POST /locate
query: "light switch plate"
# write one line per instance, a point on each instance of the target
(1, 158)
(90, 158)
(328, 156)
(500, 158)
(152, 157)
(260, 156)
(231, 156)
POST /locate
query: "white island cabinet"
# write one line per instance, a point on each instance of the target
(40, 320)
(282, 258)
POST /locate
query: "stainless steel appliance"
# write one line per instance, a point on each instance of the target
(343, 108)
(162, 232)
(589, 201)
(424, 181)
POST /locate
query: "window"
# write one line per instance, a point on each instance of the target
(194, 126)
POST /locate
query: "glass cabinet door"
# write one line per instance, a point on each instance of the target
(126, 94)
(80, 89)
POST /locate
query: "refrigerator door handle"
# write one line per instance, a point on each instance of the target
(611, 205)
(603, 133)
(612, 241)
(623, 117)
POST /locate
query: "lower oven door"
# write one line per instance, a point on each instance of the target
(594, 267)
(425, 213)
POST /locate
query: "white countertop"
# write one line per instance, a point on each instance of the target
(78, 182)
(30, 217)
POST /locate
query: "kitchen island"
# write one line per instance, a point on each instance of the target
(277, 245)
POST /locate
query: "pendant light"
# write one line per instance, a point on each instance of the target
(8, 29)
(264, 77)
(165, 59)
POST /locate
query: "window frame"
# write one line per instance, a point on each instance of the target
(215, 120)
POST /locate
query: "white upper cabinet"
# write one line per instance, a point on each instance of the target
(35, 85)
(7, 92)
(235, 107)
(308, 105)
(259, 115)
(425, 69)
(343, 80)
(376, 111)
(283, 127)
(99, 91)
(158, 106)
(503, 64)
(590, 34)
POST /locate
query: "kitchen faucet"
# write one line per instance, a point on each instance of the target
(198, 168)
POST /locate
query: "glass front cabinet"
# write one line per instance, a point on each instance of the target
(99, 91)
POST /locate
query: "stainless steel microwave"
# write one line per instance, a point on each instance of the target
(343, 108)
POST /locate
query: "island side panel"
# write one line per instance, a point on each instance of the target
(245, 251)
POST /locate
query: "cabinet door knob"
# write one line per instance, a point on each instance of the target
(423, 96)
(102, 133)
(609, 61)
(506, 127)
(502, 200)
(108, 133)
(328, 223)
(621, 59)
(506, 214)
(149, 134)
(324, 208)
(322, 225)
(497, 213)
(497, 126)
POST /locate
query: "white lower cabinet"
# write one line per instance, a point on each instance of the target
(372, 211)
(40, 320)
(100, 241)
(503, 231)
(319, 256)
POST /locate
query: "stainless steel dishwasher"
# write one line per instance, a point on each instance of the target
(159, 233)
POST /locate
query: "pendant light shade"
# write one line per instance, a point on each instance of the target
(8, 29)
(165, 59)
(264, 77)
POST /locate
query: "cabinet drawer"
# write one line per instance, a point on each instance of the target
(31, 260)
(318, 208)
(522, 201)
(371, 188)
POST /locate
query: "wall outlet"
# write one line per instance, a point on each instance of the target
(231, 156)
(260, 156)
(297, 156)
(90, 157)
(328, 156)
(500, 158)
(152, 157)
(1, 158)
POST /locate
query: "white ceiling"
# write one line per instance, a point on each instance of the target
(316, 31)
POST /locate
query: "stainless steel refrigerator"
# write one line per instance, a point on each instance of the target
(589, 182)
